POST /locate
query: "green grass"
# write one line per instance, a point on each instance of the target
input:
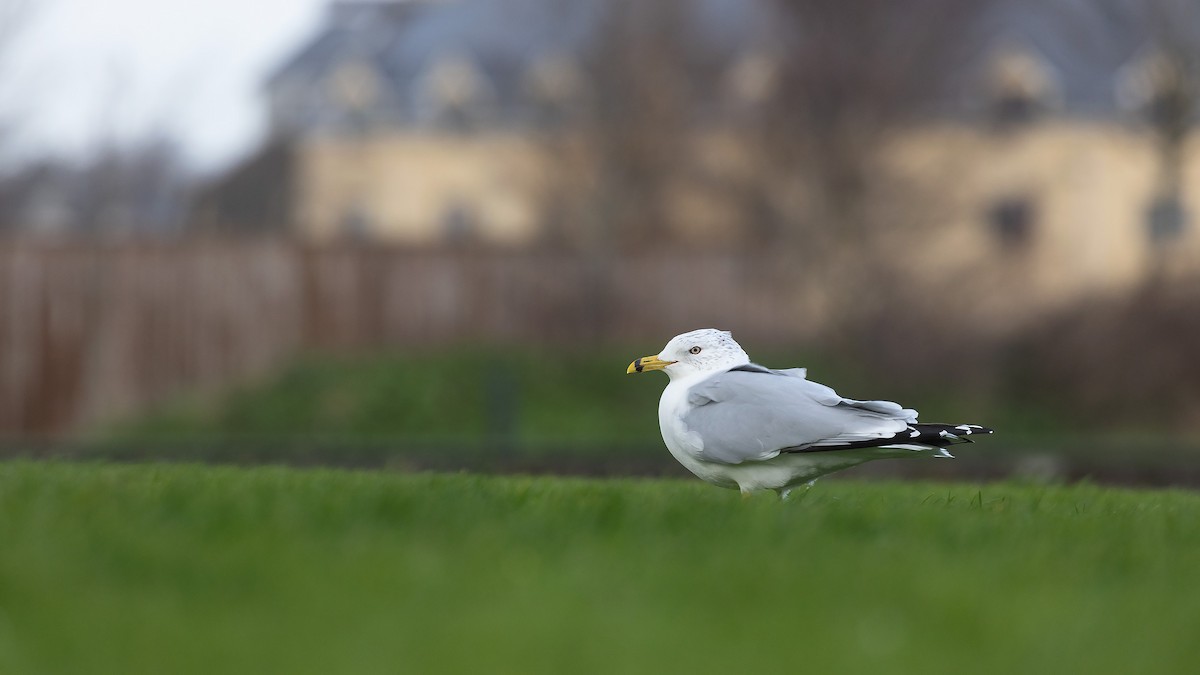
(189, 569)
(458, 395)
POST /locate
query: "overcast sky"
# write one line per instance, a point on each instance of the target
(84, 70)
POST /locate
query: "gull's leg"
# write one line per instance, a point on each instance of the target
(784, 492)
(808, 486)
(745, 492)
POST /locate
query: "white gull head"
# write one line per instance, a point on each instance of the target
(700, 351)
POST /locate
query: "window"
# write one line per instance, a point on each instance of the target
(1166, 219)
(1012, 221)
(454, 94)
(554, 91)
(1020, 84)
(459, 226)
(355, 223)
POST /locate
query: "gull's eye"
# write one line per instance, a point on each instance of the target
(694, 350)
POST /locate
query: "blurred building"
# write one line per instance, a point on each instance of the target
(410, 122)
(1071, 155)
(425, 122)
(421, 122)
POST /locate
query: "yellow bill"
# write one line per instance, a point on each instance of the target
(647, 363)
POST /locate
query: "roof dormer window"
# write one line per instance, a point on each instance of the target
(354, 86)
(555, 88)
(454, 93)
(1020, 86)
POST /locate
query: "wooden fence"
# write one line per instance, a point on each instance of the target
(89, 331)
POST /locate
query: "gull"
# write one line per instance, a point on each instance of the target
(739, 425)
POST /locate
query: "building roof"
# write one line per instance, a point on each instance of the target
(490, 46)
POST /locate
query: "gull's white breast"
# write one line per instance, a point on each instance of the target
(684, 443)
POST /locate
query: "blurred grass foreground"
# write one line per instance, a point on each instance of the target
(188, 569)
(462, 213)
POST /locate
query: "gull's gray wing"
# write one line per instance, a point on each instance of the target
(753, 413)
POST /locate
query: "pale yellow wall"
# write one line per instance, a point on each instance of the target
(1091, 184)
(405, 183)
